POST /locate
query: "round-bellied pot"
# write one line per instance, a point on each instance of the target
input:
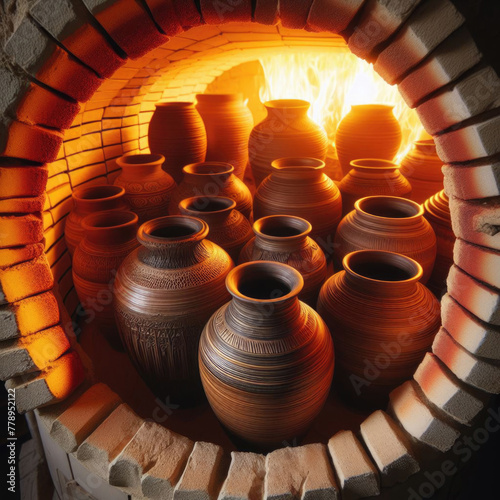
(382, 321)
(165, 292)
(228, 123)
(108, 238)
(367, 131)
(387, 223)
(286, 131)
(284, 238)
(266, 359)
(88, 200)
(212, 178)
(147, 187)
(177, 132)
(299, 186)
(228, 228)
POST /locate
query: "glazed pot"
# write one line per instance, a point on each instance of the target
(387, 223)
(369, 177)
(147, 187)
(228, 123)
(212, 178)
(88, 200)
(286, 131)
(266, 359)
(284, 238)
(382, 321)
(176, 131)
(228, 228)
(165, 292)
(367, 131)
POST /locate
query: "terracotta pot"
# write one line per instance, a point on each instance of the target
(109, 238)
(367, 131)
(369, 177)
(228, 228)
(176, 131)
(147, 187)
(287, 131)
(165, 292)
(283, 238)
(382, 321)
(298, 186)
(422, 167)
(266, 359)
(212, 178)
(88, 200)
(388, 223)
(228, 123)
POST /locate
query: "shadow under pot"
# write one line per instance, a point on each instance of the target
(165, 292)
(266, 359)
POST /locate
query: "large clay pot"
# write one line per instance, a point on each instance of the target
(382, 320)
(299, 186)
(176, 131)
(266, 359)
(147, 187)
(109, 238)
(165, 292)
(388, 223)
(369, 177)
(228, 228)
(228, 123)
(367, 131)
(212, 178)
(88, 200)
(287, 131)
(283, 238)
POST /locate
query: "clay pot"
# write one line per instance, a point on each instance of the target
(298, 186)
(228, 123)
(212, 178)
(88, 200)
(147, 187)
(165, 292)
(266, 359)
(228, 228)
(369, 177)
(109, 238)
(176, 131)
(388, 223)
(287, 131)
(382, 321)
(283, 238)
(367, 131)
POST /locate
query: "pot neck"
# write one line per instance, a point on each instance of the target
(301, 169)
(203, 173)
(98, 199)
(287, 110)
(426, 148)
(219, 99)
(214, 210)
(174, 108)
(110, 228)
(372, 109)
(142, 165)
(371, 167)
(281, 233)
(388, 211)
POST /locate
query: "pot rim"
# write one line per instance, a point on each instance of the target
(115, 192)
(290, 163)
(360, 206)
(382, 164)
(222, 96)
(173, 104)
(374, 106)
(425, 142)
(225, 168)
(297, 222)
(199, 229)
(229, 205)
(128, 160)
(287, 104)
(128, 219)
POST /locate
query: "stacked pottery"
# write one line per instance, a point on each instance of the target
(286, 131)
(283, 238)
(266, 359)
(382, 321)
(165, 292)
(228, 123)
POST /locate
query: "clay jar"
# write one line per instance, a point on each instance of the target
(266, 359)
(298, 186)
(286, 131)
(88, 200)
(283, 238)
(367, 131)
(212, 178)
(382, 321)
(176, 131)
(165, 292)
(147, 187)
(228, 123)
(109, 238)
(388, 223)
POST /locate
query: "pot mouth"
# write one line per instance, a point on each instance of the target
(374, 107)
(174, 104)
(298, 163)
(287, 103)
(208, 168)
(110, 219)
(389, 207)
(102, 192)
(140, 159)
(207, 205)
(171, 229)
(374, 164)
(220, 97)
(282, 227)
